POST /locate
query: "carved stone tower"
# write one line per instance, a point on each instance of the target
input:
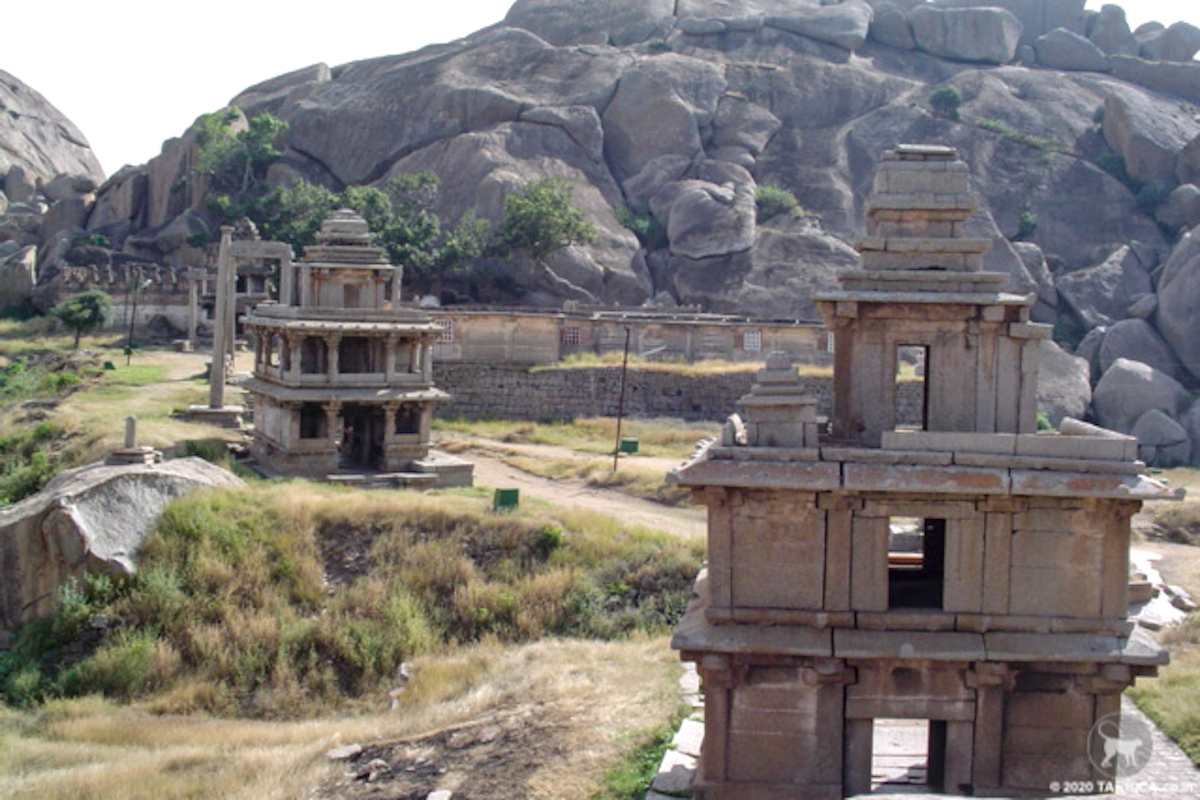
(940, 561)
(343, 371)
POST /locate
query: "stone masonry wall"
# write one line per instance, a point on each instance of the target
(508, 392)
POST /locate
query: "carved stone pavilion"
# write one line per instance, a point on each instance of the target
(343, 370)
(966, 570)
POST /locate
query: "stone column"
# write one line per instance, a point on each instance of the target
(331, 414)
(331, 344)
(130, 432)
(305, 285)
(426, 426)
(292, 360)
(287, 282)
(216, 377)
(195, 277)
(389, 357)
(397, 278)
(427, 359)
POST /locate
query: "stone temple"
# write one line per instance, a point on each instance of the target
(966, 569)
(343, 370)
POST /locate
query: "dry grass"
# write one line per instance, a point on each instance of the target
(89, 749)
(657, 438)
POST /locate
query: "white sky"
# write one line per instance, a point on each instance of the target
(133, 73)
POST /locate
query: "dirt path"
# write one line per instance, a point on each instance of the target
(492, 471)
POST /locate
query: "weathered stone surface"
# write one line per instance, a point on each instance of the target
(1064, 386)
(1037, 17)
(1111, 32)
(1162, 442)
(1190, 420)
(844, 24)
(68, 187)
(479, 169)
(1100, 294)
(18, 186)
(1128, 389)
(966, 34)
(270, 95)
(1089, 349)
(705, 220)
(1034, 261)
(1147, 133)
(1149, 38)
(1178, 317)
(647, 119)
(1187, 169)
(18, 274)
(1181, 210)
(90, 519)
(1143, 306)
(890, 26)
(1136, 340)
(1063, 49)
(581, 123)
(618, 22)
(1180, 42)
(38, 138)
(1162, 76)
(744, 124)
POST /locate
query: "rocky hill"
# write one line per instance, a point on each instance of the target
(1082, 136)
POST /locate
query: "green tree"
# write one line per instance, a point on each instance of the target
(84, 312)
(945, 102)
(293, 212)
(540, 220)
(235, 163)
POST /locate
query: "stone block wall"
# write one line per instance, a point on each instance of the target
(511, 392)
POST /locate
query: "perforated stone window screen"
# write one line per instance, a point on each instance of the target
(752, 341)
(446, 336)
(829, 342)
(570, 335)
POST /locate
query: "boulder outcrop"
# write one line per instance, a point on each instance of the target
(90, 519)
(1178, 315)
(37, 138)
(987, 34)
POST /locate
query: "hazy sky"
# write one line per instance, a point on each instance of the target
(133, 73)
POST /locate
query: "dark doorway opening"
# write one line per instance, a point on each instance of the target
(916, 562)
(363, 429)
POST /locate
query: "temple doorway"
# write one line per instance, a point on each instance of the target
(362, 438)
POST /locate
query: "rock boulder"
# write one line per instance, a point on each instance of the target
(967, 34)
(1111, 33)
(1136, 340)
(38, 138)
(1100, 295)
(1180, 42)
(1147, 133)
(1178, 316)
(1064, 388)
(1162, 442)
(90, 519)
(1129, 389)
(1063, 49)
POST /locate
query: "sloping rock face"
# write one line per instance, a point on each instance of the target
(90, 519)
(36, 137)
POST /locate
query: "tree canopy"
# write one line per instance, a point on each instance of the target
(540, 220)
(85, 312)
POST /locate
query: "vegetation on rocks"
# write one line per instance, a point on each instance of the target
(275, 601)
(771, 201)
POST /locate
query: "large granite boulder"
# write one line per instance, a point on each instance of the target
(1100, 295)
(844, 24)
(1110, 31)
(90, 519)
(1136, 340)
(38, 138)
(1181, 210)
(18, 273)
(1034, 261)
(1167, 77)
(1064, 49)
(1162, 442)
(1190, 420)
(1178, 316)
(1147, 133)
(1180, 42)
(967, 34)
(1064, 386)
(615, 22)
(1187, 169)
(1037, 17)
(1128, 389)
(890, 26)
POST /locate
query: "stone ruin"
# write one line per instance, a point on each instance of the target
(343, 369)
(968, 570)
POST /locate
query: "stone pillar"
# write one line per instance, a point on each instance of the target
(287, 282)
(427, 359)
(331, 414)
(195, 278)
(389, 357)
(130, 432)
(216, 377)
(397, 278)
(292, 342)
(389, 422)
(426, 427)
(331, 345)
(305, 285)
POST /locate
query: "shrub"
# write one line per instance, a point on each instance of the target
(645, 226)
(771, 201)
(1114, 165)
(945, 102)
(1026, 224)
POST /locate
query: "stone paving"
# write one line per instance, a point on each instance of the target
(898, 769)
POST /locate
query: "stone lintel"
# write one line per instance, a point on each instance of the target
(952, 441)
(934, 646)
(1030, 330)
(1090, 484)
(898, 244)
(779, 454)
(697, 635)
(818, 476)
(1073, 647)
(964, 202)
(1047, 463)
(923, 479)
(868, 455)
